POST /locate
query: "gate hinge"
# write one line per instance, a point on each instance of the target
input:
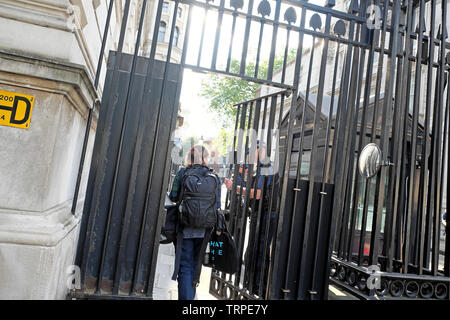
(285, 290)
(388, 164)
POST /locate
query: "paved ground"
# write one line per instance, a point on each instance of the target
(335, 294)
(165, 288)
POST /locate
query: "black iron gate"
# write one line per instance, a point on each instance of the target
(125, 194)
(124, 203)
(348, 83)
(391, 224)
(253, 208)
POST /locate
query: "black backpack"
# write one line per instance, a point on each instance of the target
(198, 209)
(199, 197)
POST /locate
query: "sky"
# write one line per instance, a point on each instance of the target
(198, 120)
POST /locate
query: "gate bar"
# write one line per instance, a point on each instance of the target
(258, 50)
(437, 137)
(305, 284)
(344, 121)
(246, 37)
(86, 135)
(340, 125)
(248, 276)
(155, 228)
(245, 192)
(373, 134)
(274, 40)
(257, 211)
(423, 262)
(353, 176)
(275, 184)
(89, 121)
(400, 132)
(122, 131)
(447, 228)
(217, 36)
(362, 137)
(348, 149)
(414, 132)
(98, 172)
(384, 141)
(277, 279)
(273, 107)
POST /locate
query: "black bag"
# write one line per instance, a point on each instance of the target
(222, 255)
(199, 197)
(170, 229)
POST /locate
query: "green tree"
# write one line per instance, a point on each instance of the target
(224, 92)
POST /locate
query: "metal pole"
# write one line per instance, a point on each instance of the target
(89, 121)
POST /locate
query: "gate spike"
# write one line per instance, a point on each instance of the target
(330, 3)
(439, 36)
(424, 26)
(354, 7)
(290, 15)
(340, 28)
(237, 4)
(315, 22)
(264, 8)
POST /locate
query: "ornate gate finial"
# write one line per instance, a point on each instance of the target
(264, 8)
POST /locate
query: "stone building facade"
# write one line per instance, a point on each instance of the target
(49, 49)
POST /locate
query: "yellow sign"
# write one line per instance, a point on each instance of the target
(15, 109)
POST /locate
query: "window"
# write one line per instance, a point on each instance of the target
(175, 36)
(165, 7)
(179, 12)
(162, 31)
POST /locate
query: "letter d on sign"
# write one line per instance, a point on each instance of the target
(73, 277)
(26, 114)
(15, 109)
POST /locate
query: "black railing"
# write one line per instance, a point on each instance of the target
(351, 81)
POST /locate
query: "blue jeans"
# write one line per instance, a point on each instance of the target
(190, 251)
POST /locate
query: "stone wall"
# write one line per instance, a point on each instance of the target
(49, 49)
(38, 170)
(47, 52)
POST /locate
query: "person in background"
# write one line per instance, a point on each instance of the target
(214, 161)
(256, 196)
(192, 237)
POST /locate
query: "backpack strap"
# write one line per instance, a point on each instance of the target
(178, 249)
(183, 178)
(198, 267)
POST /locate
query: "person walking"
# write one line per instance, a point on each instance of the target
(196, 188)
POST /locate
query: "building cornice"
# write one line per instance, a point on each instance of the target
(45, 13)
(68, 79)
(45, 229)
